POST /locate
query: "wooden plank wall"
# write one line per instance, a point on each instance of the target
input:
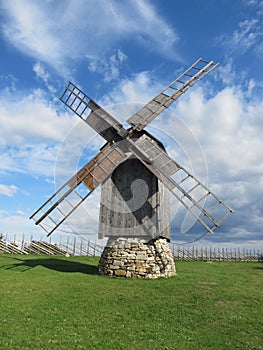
(134, 203)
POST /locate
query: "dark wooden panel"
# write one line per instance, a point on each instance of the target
(132, 204)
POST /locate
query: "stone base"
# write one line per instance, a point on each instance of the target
(132, 257)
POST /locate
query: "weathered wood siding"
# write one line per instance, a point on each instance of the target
(134, 203)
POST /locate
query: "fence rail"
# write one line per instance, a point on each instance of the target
(215, 254)
(79, 246)
(70, 246)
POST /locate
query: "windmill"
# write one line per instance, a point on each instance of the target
(131, 161)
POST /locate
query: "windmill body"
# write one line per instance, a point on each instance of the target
(136, 174)
(134, 202)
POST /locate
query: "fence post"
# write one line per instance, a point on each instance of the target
(74, 246)
(31, 238)
(180, 252)
(23, 242)
(67, 244)
(94, 248)
(6, 241)
(80, 247)
(49, 248)
(88, 248)
(60, 238)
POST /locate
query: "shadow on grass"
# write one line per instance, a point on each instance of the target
(59, 265)
(258, 267)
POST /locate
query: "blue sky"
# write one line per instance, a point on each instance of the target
(122, 53)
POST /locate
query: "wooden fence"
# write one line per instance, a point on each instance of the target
(69, 246)
(215, 254)
(78, 246)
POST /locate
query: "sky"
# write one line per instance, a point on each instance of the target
(122, 54)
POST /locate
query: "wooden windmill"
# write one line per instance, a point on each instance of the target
(135, 171)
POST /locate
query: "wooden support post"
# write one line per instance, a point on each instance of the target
(74, 246)
(67, 244)
(81, 243)
(88, 248)
(23, 242)
(94, 248)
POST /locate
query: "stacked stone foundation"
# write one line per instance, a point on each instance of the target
(134, 258)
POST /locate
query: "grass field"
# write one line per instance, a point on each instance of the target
(61, 303)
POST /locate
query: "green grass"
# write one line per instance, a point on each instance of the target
(61, 303)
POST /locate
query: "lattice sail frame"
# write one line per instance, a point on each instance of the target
(195, 196)
(201, 202)
(54, 211)
(171, 93)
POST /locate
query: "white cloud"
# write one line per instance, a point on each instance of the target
(227, 125)
(32, 118)
(130, 93)
(248, 36)
(257, 5)
(19, 225)
(239, 80)
(7, 83)
(111, 68)
(40, 71)
(224, 123)
(8, 191)
(33, 132)
(20, 212)
(57, 33)
(28, 28)
(229, 130)
(42, 74)
(33, 159)
(112, 71)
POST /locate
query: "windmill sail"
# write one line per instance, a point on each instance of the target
(91, 113)
(201, 202)
(171, 93)
(59, 206)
